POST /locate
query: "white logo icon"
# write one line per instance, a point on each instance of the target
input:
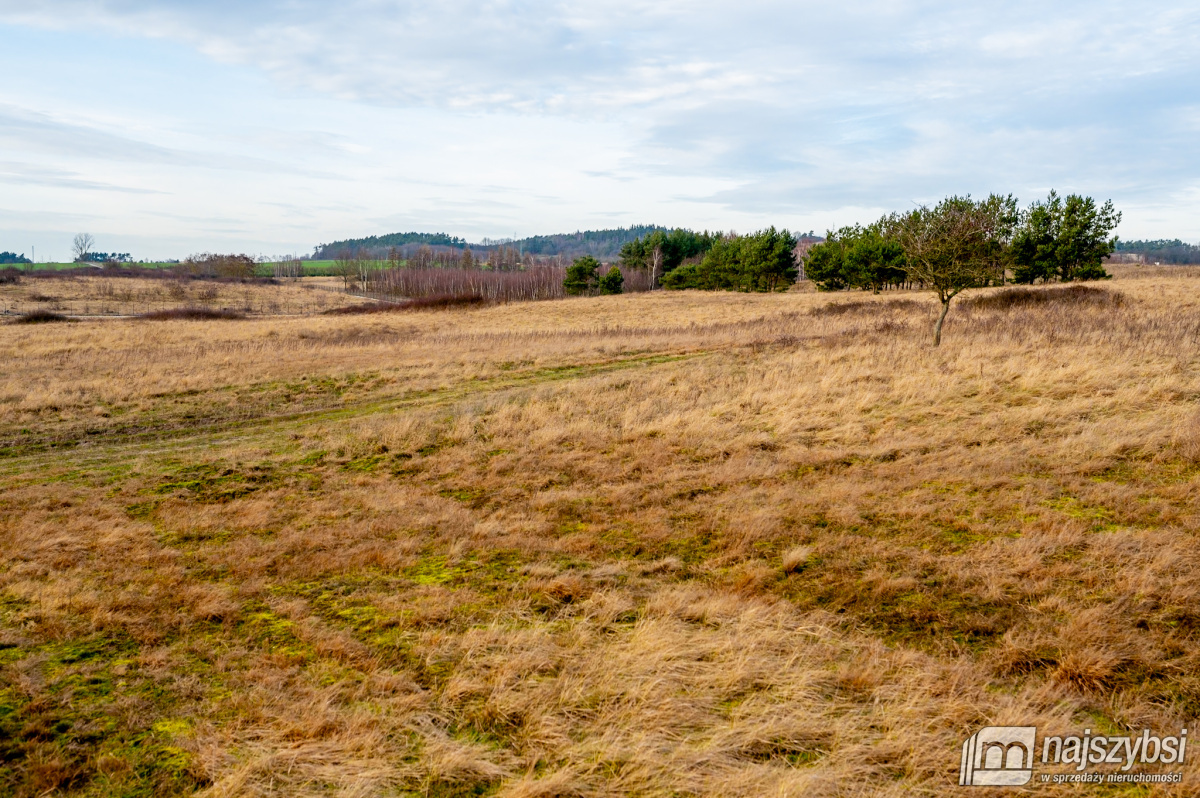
(998, 756)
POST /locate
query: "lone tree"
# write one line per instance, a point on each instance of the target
(82, 246)
(1064, 238)
(582, 276)
(960, 243)
(346, 266)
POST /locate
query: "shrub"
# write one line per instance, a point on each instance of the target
(582, 276)
(612, 282)
(192, 314)
(235, 267)
(1013, 298)
(39, 317)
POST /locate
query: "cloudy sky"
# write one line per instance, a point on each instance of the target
(165, 128)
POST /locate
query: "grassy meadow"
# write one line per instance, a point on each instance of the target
(662, 544)
(311, 268)
(86, 295)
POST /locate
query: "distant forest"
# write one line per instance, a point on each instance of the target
(597, 243)
(378, 245)
(1161, 250)
(602, 244)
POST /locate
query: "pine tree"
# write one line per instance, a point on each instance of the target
(612, 282)
(582, 276)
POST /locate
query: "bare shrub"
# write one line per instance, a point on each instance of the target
(495, 285)
(636, 280)
(539, 282)
(235, 267)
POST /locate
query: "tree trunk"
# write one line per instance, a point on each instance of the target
(937, 330)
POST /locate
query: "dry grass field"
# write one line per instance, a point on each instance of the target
(128, 296)
(662, 544)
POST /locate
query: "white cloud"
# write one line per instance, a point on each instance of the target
(708, 113)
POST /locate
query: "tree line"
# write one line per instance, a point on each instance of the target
(681, 259)
(1171, 251)
(601, 244)
(356, 266)
(958, 244)
(962, 243)
(379, 244)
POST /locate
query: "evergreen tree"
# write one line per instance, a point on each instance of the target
(673, 248)
(825, 264)
(582, 276)
(612, 282)
(762, 261)
(1064, 239)
(856, 257)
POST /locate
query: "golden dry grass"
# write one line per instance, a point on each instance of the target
(129, 296)
(662, 544)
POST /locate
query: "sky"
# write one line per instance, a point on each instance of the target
(170, 128)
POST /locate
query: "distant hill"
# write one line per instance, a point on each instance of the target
(598, 243)
(378, 244)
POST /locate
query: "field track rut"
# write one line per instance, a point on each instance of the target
(97, 450)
